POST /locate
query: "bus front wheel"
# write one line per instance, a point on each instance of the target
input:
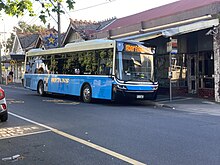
(41, 88)
(86, 93)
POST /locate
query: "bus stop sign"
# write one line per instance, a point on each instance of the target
(172, 46)
(12, 62)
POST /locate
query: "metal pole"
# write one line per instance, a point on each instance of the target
(170, 71)
(59, 26)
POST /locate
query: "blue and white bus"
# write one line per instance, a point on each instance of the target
(96, 69)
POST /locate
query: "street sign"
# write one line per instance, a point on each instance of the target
(172, 46)
(12, 62)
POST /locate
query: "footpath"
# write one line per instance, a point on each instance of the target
(189, 104)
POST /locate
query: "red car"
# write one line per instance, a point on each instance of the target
(3, 106)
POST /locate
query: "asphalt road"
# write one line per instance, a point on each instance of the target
(62, 130)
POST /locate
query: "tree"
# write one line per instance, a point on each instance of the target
(25, 28)
(9, 42)
(19, 7)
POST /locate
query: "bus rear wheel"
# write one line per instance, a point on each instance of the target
(86, 93)
(41, 88)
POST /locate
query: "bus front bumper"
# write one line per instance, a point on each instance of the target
(122, 94)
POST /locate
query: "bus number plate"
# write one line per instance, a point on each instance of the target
(140, 96)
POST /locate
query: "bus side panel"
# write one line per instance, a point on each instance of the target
(31, 80)
(72, 85)
(102, 88)
(61, 84)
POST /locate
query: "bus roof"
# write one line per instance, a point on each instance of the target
(74, 47)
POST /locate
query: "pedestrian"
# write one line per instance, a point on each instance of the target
(10, 76)
(11, 73)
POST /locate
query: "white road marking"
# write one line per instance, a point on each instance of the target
(89, 144)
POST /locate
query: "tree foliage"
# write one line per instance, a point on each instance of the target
(9, 42)
(20, 7)
(22, 28)
(25, 28)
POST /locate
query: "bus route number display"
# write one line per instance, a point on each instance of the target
(133, 48)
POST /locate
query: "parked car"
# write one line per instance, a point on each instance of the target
(3, 106)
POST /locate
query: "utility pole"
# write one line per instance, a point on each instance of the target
(58, 23)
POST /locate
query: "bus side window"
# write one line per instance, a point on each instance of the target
(102, 69)
(36, 70)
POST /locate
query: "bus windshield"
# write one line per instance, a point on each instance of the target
(134, 63)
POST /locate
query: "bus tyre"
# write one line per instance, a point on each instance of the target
(41, 88)
(86, 93)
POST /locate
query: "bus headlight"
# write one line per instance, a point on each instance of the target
(122, 87)
(117, 87)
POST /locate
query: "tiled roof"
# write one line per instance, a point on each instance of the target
(28, 40)
(162, 11)
(85, 28)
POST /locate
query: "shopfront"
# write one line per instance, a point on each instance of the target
(192, 65)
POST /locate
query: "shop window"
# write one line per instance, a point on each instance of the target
(208, 82)
(193, 67)
(193, 87)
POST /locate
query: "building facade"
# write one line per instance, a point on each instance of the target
(194, 25)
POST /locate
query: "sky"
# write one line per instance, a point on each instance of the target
(96, 10)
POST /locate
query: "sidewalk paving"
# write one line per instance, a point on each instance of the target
(13, 84)
(190, 104)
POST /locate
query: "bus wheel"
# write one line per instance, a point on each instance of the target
(41, 88)
(87, 93)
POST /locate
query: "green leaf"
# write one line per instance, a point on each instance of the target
(43, 18)
(70, 4)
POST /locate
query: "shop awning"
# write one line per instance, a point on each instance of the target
(179, 30)
(190, 28)
(17, 57)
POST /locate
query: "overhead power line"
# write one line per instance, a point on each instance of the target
(100, 4)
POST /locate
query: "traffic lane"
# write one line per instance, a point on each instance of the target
(45, 147)
(159, 142)
(146, 133)
(23, 106)
(151, 135)
(49, 148)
